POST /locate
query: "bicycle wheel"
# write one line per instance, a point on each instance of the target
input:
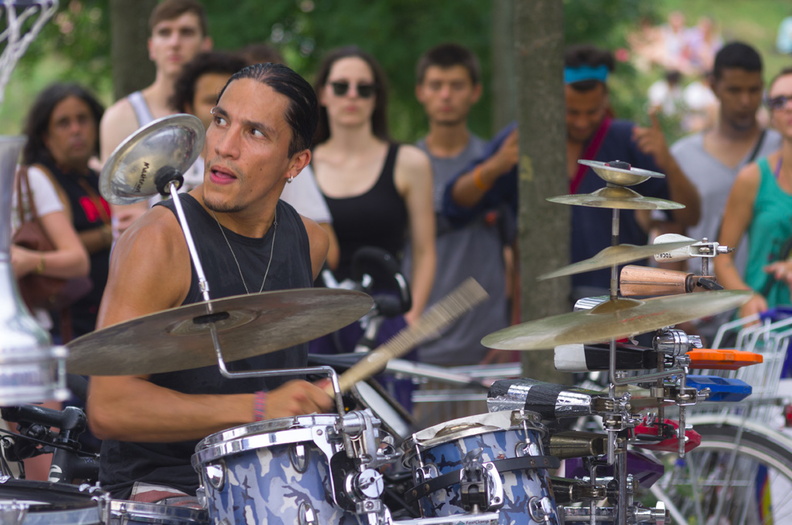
(740, 474)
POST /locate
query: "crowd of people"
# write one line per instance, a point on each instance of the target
(295, 178)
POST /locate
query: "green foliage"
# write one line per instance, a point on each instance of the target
(395, 32)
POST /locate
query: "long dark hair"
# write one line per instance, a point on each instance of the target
(379, 119)
(38, 119)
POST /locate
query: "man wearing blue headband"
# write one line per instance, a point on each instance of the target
(593, 134)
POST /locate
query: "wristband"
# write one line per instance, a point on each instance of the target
(260, 406)
(41, 265)
(478, 180)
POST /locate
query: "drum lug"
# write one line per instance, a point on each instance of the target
(214, 473)
(481, 486)
(541, 509)
(306, 514)
(298, 457)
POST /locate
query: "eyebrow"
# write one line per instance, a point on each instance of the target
(268, 130)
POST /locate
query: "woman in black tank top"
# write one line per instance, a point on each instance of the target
(379, 193)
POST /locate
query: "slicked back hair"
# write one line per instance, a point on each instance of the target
(301, 115)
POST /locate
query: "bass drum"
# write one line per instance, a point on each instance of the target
(24, 502)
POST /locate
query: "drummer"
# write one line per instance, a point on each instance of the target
(248, 241)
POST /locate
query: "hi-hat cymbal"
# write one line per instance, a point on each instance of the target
(247, 326)
(619, 172)
(614, 255)
(614, 320)
(617, 197)
(164, 146)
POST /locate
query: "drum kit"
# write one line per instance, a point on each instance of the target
(351, 466)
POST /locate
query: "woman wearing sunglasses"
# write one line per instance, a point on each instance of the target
(760, 204)
(379, 192)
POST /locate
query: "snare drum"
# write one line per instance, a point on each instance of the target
(279, 472)
(483, 463)
(24, 502)
(124, 512)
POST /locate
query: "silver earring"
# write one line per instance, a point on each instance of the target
(290, 179)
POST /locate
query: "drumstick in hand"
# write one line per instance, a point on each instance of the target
(438, 317)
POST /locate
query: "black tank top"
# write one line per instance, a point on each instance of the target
(85, 216)
(123, 463)
(375, 218)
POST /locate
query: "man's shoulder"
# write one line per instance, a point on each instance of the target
(692, 142)
(120, 109)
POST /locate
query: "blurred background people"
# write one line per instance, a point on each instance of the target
(760, 205)
(178, 33)
(379, 192)
(62, 131)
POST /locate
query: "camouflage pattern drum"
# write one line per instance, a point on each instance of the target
(289, 471)
(484, 463)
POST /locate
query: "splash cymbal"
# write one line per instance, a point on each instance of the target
(615, 255)
(614, 320)
(162, 147)
(247, 326)
(617, 197)
(619, 172)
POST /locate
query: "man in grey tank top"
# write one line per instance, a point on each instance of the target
(448, 84)
(178, 33)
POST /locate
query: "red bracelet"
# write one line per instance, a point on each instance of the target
(260, 406)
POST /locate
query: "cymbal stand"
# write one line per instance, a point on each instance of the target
(617, 423)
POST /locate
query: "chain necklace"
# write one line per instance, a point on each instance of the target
(239, 268)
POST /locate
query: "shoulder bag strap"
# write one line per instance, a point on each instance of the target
(589, 154)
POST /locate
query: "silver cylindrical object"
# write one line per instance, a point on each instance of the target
(31, 368)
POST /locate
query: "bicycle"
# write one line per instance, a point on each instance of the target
(741, 473)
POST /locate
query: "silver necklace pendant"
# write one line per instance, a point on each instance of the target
(239, 268)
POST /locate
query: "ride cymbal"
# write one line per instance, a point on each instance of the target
(616, 197)
(614, 320)
(247, 326)
(615, 255)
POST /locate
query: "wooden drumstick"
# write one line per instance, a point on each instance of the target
(443, 313)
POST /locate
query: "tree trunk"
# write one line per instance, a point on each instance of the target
(543, 227)
(132, 69)
(503, 84)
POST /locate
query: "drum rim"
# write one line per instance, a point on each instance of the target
(142, 509)
(84, 496)
(260, 435)
(265, 427)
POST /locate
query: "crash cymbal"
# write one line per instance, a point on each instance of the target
(247, 326)
(619, 172)
(163, 146)
(617, 197)
(614, 320)
(614, 255)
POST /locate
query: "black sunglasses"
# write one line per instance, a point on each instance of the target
(341, 88)
(778, 102)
